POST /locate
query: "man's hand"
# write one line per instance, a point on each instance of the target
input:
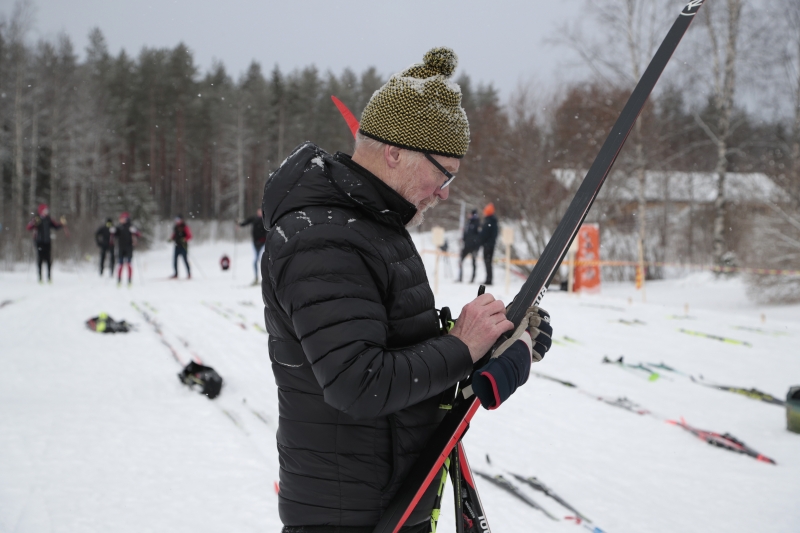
(511, 362)
(482, 321)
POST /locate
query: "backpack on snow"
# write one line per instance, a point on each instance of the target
(103, 323)
(204, 377)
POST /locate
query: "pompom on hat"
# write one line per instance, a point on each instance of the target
(420, 108)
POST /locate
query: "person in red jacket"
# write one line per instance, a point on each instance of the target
(41, 225)
(181, 235)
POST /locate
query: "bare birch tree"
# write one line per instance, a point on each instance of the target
(787, 21)
(722, 22)
(19, 25)
(631, 32)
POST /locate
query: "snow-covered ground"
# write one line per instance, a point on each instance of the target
(97, 433)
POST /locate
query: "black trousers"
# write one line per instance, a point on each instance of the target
(103, 251)
(180, 251)
(464, 254)
(42, 256)
(488, 255)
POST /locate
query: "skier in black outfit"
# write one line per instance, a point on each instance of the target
(488, 238)
(472, 243)
(361, 365)
(259, 238)
(126, 236)
(41, 225)
(104, 237)
(181, 235)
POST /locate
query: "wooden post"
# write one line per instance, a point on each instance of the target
(571, 253)
(641, 279)
(508, 240)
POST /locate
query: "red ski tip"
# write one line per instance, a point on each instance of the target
(352, 121)
(766, 459)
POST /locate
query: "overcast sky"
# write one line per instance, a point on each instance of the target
(502, 41)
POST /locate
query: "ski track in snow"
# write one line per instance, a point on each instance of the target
(97, 434)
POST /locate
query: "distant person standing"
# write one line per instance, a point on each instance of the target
(126, 237)
(488, 238)
(259, 238)
(181, 235)
(41, 225)
(104, 237)
(471, 245)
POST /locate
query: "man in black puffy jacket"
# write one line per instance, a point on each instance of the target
(360, 363)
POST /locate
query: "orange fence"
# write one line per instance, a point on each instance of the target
(689, 266)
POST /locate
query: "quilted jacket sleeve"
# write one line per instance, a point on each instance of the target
(331, 284)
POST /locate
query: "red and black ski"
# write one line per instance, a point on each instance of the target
(456, 422)
(726, 441)
(470, 516)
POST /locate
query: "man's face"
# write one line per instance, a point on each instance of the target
(422, 184)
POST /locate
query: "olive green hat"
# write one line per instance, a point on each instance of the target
(420, 108)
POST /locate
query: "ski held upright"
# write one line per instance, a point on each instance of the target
(457, 420)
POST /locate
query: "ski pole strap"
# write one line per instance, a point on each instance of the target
(446, 318)
(523, 325)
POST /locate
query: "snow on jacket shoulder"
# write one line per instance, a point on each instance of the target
(354, 340)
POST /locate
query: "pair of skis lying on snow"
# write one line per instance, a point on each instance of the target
(725, 441)
(505, 484)
(470, 517)
(652, 374)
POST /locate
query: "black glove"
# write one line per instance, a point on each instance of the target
(495, 382)
(541, 332)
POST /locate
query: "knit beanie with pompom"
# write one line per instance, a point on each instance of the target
(420, 108)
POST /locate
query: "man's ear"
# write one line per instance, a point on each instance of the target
(392, 156)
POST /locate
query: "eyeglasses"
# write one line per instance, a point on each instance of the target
(450, 177)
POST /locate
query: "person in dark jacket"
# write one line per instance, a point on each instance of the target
(181, 235)
(104, 237)
(41, 225)
(361, 365)
(472, 244)
(126, 237)
(488, 239)
(259, 238)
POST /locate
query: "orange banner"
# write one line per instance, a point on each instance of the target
(587, 276)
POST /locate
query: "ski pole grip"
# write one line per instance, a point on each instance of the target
(485, 359)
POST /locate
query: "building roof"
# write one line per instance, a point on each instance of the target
(700, 187)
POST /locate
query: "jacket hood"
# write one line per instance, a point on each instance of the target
(312, 177)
